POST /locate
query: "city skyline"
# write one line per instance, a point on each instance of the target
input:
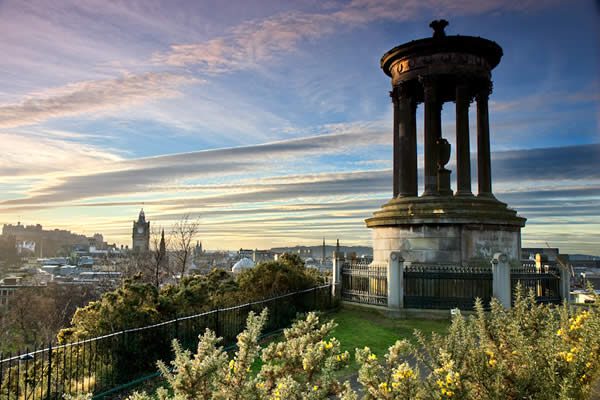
(271, 123)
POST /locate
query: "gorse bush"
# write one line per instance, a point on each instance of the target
(301, 367)
(136, 304)
(528, 352)
(531, 351)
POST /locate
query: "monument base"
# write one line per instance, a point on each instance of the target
(446, 229)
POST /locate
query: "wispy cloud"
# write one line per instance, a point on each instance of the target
(91, 96)
(41, 157)
(253, 43)
(154, 172)
(161, 173)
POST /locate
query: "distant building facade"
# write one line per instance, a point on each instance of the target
(141, 234)
(41, 242)
(256, 255)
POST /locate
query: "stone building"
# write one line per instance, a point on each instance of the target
(141, 234)
(43, 242)
(443, 224)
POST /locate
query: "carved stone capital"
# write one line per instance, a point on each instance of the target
(483, 90)
(464, 91)
(394, 96)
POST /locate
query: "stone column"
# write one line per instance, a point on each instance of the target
(463, 152)
(565, 283)
(396, 142)
(336, 281)
(395, 279)
(433, 123)
(407, 142)
(484, 173)
(501, 279)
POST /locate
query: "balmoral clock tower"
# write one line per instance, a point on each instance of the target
(141, 234)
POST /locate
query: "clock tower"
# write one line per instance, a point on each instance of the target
(141, 234)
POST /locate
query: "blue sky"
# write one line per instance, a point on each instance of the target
(270, 121)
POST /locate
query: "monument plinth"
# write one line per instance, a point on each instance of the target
(443, 225)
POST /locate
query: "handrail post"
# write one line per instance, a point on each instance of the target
(217, 322)
(336, 279)
(501, 279)
(565, 283)
(49, 388)
(395, 281)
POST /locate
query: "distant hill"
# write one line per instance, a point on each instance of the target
(317, 251)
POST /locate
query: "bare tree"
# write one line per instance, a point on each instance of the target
(151, 266)
(34, 315)
(183, 235)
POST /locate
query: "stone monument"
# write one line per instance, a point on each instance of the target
(443, 225)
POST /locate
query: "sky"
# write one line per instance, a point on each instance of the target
(270, 121)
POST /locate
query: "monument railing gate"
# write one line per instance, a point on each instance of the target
(364, 282)
(544, 280)
(446, 286)
(399, 284)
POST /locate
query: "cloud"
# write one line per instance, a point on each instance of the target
(256, 42)
(152, 173)
(248, 44)
(555, 163)
(91, 96)
(176, 173)
(35, 156)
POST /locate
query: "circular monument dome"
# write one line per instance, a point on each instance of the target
(449, 57)
(244, 263)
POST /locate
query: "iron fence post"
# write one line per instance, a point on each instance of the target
(217, 333)
(9, 375)
(49, 383)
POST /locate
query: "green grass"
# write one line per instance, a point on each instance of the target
(359, 328)
(356, 328)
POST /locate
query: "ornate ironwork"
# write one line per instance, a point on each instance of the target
(364, 282)
(544, 281)
(446, 286)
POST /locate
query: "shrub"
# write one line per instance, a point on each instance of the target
(530, 351)
(301, 367)
(277, 277)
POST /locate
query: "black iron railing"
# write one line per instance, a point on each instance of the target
(544, 281)
(446, 286)
(104, 364)
(364, 282)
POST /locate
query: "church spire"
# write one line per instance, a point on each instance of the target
(162, 250)
(323, 258)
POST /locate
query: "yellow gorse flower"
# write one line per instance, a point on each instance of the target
(492, 358)
(567, 356)
(403, 372)
(383, 386)
(577, 322)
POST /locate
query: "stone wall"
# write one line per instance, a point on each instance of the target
(446, 243)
